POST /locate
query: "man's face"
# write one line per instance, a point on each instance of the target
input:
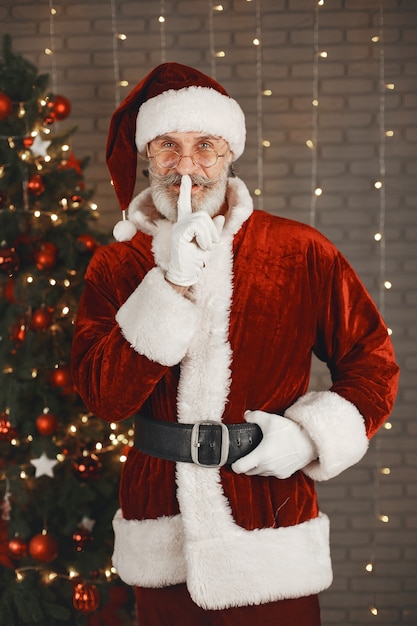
(209, 182)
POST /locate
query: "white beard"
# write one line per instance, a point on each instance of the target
(165, 201)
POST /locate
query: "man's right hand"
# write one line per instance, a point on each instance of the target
(193, 236)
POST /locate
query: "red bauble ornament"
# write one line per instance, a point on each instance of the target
(43, 548)
(18, 548)
(5, 427)
(81, 537)
(88, 242)
(47, 424)
(7, 432)
(35, 185)
(61, 377)
(86, 598)
(45, 260)
(9, 260)
(28, 141)
(41, 319)
(59, 108)
(17, 332)
(6, 106)
(47, 246)
(46, 256)
(87, 467)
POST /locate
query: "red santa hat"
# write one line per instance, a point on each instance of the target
(171, 98)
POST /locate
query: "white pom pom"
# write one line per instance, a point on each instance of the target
(124, 230)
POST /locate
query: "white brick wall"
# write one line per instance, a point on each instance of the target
(347, 213)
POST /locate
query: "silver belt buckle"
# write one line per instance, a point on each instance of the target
(195, 444)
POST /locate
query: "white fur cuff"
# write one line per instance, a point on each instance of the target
(337, 429)
(157, 321)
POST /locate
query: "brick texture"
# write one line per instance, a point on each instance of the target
(348, 163)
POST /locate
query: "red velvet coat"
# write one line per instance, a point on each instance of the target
(274, 292)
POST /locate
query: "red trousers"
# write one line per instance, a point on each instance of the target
(172, 606)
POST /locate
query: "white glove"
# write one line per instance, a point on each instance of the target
(193, 236)
(284, 449)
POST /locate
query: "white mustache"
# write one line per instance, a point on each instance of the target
(175, 179)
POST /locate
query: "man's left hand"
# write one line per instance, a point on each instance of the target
(284, 449)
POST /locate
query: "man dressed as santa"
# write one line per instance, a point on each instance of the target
(201, 321)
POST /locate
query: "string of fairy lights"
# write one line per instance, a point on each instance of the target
(212, 46)
(214, 52)
(162, 34)
(383, 285)
(313, 142)
(116, 65)
(51, 50)
(261, 142)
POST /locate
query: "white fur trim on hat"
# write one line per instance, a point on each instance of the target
(192, 109)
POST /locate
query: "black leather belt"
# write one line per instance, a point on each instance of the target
(206, 443)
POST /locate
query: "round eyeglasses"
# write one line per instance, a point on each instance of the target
(202, 157)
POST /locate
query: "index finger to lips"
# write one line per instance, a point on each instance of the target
(184, 198)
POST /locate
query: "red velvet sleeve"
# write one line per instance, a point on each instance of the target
(354, 341)
(111, 377)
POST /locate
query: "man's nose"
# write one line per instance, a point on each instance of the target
(186, 165)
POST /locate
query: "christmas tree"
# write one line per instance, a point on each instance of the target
(59, 465)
